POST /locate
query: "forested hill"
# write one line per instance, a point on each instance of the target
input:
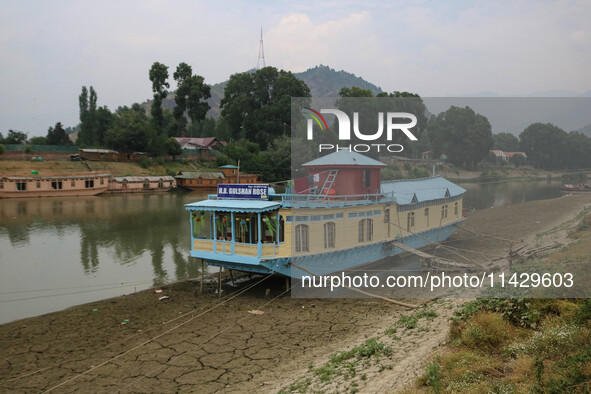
(323, 81)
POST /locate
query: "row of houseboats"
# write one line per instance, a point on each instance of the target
(94, 183)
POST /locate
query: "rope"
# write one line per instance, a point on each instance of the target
(486, 235)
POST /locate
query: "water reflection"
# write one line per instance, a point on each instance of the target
(482, 196)
(127, 226)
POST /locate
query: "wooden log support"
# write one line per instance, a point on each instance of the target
(433, 262)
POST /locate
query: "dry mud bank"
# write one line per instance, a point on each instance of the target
(196, 342)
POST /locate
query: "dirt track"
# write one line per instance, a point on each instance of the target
(179, 344)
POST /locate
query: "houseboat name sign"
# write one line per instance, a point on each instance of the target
(244, 191)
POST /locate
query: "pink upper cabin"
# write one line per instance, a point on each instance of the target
(357, 174)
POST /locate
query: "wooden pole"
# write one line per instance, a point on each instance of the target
(220, 283)
(202, 276)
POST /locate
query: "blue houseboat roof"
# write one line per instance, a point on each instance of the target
(344, 158)
(234, 205)
(410, 191)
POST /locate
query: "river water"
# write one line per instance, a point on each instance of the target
(59, 252)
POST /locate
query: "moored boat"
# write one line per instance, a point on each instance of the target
(341, 216)
(53, 186)
(579, 187)
(200, 180)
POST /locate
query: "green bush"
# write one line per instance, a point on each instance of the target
(144, 163)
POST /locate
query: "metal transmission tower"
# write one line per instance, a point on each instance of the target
(261, 59)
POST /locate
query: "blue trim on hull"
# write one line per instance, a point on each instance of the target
(331, 262)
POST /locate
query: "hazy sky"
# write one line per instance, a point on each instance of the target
(50, 49)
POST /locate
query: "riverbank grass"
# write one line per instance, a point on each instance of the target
(520, 344)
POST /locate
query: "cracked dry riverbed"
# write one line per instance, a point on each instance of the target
(137, 343)
(195, 349)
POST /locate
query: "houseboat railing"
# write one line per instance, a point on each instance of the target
(323, 201)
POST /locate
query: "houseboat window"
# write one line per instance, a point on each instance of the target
(353, 215)
(369, 229)
(301, 238)
(160, 185)
(56, 185)
(456, 209)
(102, 181)
(1, 185)
(89, 183)
(442, 211)
(146, 184)
(427, 216)
(281, 229)
(315, 218)
(340, 215)
(446, 210)
(410, 221)
(360, 230)
(72, 183)
(329, 235)
(201, 224)
(38, 184)
(21, 186)
(386, 215)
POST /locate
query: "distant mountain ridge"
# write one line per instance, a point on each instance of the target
(322, 80)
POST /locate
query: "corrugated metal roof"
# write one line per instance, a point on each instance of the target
(143, 178)
(344, 158)
(234, 205)
(53, 177)
(420, 190)
(200, 174)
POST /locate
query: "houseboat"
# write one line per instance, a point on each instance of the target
(53, 186)
(338, 217)
(141, 184)
(199, 180)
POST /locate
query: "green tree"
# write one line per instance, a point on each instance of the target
(57, 135)
(103, 121)
(545, 145)
(577, 150)
(88, 120)
(355, 91)
(191, 90)
(368, 110)
(258, 105)
(173, 148)
(464, 136)
(133, 132)
(517, 160)
(15, 138)
(506, 142)
(2, 149)
(279, 151)
(158, 75)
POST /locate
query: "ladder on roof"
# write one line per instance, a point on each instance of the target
(328, 182)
